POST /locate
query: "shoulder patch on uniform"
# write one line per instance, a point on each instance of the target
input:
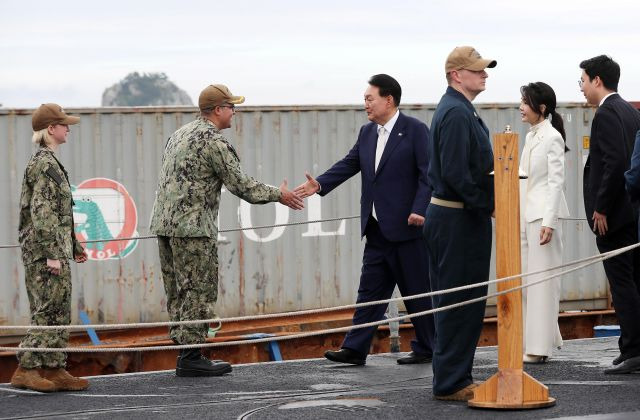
(54, 175)
(232, 150)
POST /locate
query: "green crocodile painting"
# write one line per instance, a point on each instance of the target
(94, 226)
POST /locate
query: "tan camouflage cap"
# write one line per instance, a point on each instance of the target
(214, 95)
(467, 58)
(51, 114)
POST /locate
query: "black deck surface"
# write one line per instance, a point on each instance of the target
(319, 389)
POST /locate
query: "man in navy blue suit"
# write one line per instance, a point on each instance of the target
(391, 156)
(632, 177)
(609, 211)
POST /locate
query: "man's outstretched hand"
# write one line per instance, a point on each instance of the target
(308, 188)
(290, 198)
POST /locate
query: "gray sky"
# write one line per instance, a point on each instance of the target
(299, 52)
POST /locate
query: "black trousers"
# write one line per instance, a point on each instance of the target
(385, 264)
(459, 247)
(623, 272)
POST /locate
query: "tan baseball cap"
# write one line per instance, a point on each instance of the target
(214, 95)
(467, 58)
(51, 114)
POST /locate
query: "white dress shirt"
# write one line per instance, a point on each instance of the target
(383, 136)
(605, 98)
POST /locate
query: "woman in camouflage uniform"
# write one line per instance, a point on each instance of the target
(48, 242)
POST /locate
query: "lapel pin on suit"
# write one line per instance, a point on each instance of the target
(399, 134)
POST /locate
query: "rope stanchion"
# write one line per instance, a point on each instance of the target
(594, 259)
(510, 387)
(105, 349)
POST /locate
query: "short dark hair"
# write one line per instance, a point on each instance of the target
(604, 67)
(387, 85)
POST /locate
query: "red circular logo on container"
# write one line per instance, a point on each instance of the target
(104, 212)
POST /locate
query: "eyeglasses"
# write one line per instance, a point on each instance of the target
(232, 106)
(580, 83)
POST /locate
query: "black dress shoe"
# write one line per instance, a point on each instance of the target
(618, 360)
(632, 364)
(213, 360)
(349, 356)
(414, 358)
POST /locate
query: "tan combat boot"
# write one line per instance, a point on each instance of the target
(64, 381)
(31, 379)
(465, 394)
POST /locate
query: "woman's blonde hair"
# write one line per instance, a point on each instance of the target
(42, 137)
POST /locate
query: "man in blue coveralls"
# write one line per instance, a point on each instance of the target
(457, 224)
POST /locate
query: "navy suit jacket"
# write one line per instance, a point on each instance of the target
(613, 132)
(399, 187)
(632, 176)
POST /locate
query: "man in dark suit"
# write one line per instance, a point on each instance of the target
(632, 177)
(391, 156)
(607, 206)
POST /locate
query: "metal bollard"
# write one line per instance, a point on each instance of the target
(394, 327)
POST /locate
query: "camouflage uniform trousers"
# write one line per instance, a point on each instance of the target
(190, 275)
(50, 304)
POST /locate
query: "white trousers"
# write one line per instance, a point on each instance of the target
(540, 303)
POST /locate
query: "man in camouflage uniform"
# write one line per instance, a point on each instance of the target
(197, 161)
(48, 242)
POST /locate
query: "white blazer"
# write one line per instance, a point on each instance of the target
(542, 193)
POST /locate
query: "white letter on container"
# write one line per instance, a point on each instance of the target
(244, 216)
(315, 213)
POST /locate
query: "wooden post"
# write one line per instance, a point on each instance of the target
(510, 388)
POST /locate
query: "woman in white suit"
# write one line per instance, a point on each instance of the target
(542, 205)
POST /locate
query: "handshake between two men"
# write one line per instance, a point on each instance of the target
(293, 199)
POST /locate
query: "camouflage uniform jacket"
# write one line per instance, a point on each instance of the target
(46, 227)
(197, 161)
